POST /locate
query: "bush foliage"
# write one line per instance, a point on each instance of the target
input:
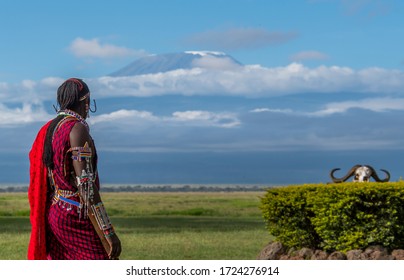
(336, 216)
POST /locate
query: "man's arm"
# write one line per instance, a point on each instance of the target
(82, 155)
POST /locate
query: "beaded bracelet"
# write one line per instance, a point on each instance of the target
(102, 219)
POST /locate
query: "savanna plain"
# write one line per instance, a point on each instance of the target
(160, 226)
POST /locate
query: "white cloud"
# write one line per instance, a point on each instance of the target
(30, 91)
(93, 48)
(371, 104)
(52, 82)
(375, 105)
(122, 115)
(260, 110)
(248, 81)
(28, 84)
(225, 80)
(207, 118)
(255, 80)
(4, 89)
(27, 113)
(190, 118)
(263, 110)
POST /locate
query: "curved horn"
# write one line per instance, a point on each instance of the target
(377, 179)
(346, 177)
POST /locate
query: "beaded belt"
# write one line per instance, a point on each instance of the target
(63, 197)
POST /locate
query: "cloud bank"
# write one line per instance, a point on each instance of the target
(220, 77)
(255, 81)
(188, 118)
(373, 89)
(94, 49)
(249, 108)
(377, 105)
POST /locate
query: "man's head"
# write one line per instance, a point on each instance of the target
(74, 94)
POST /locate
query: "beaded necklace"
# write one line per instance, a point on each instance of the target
(70, 113)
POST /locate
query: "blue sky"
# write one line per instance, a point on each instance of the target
(321, 85)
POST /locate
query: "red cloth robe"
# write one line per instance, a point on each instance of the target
(37, 196)
(57, 233)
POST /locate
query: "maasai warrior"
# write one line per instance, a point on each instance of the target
(68, 218)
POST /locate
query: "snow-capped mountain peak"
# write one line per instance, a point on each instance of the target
(172, 61)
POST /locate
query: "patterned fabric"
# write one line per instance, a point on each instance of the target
(57, 232)
(69, 237)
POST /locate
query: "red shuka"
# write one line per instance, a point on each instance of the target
(37, 193)
(57, 231)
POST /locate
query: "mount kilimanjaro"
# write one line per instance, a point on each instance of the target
(173, 61)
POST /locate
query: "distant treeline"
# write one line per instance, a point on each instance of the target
(162, 188)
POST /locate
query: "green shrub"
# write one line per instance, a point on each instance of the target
(336, 216)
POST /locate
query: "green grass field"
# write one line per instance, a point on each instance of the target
(153, 226)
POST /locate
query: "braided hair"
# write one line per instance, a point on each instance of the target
(68, 97)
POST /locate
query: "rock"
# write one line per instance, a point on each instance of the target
(376, 252)
(354, 255)
(369, 250)
(276, 251)
(305, 253)
(296, 257)
(272, 251)
(398, 254)
(380, 255)
(319, 255)
(337, 255)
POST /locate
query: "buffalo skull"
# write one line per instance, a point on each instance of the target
(361, 173)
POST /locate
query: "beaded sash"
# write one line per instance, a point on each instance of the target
(62, 197)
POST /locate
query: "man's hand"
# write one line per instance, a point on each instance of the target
(116, 249)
